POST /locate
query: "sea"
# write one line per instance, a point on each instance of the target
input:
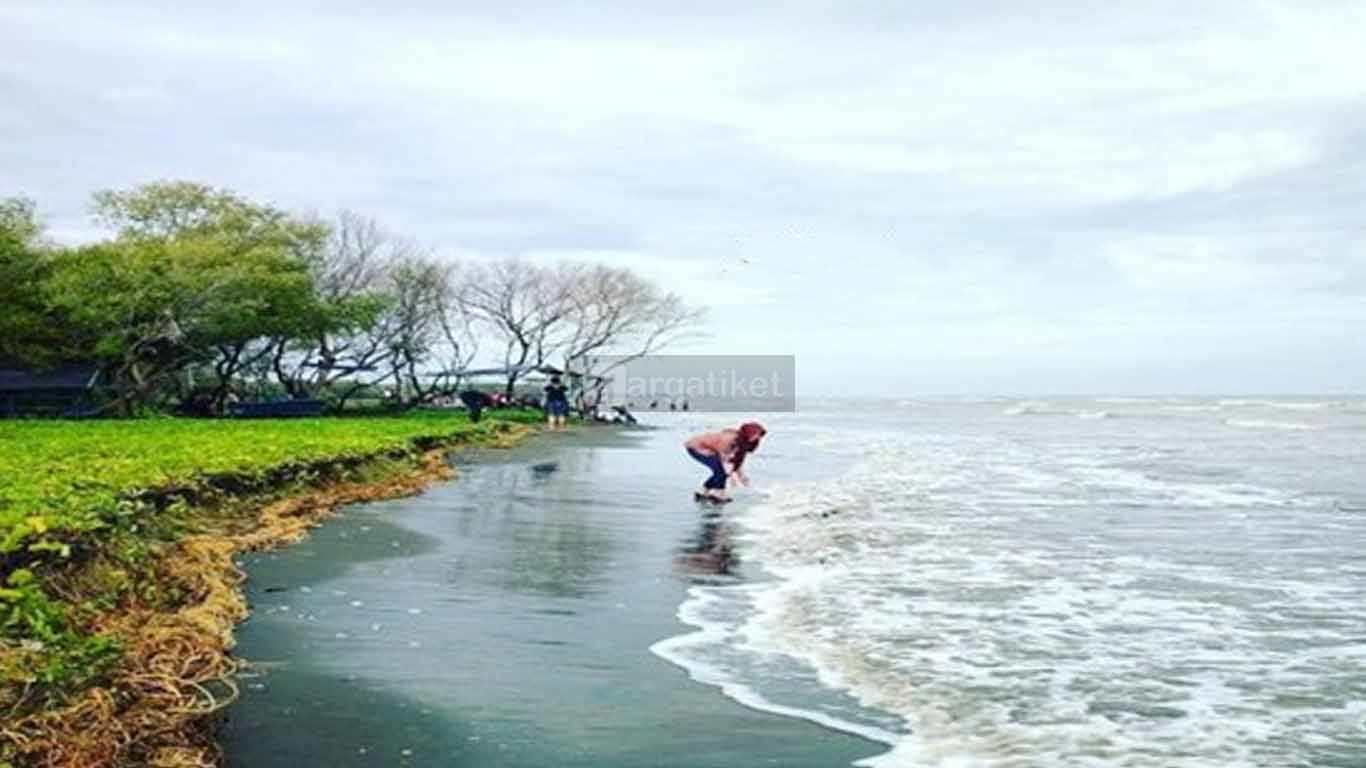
(1120, 582)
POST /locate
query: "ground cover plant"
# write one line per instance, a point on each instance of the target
(63, 478)
(109, 526)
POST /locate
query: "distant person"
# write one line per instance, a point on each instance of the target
(723, 453)
(556, 403)
(624, 415)
(475, 402)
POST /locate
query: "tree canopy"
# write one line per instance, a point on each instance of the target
(200, 293)
(30, 330)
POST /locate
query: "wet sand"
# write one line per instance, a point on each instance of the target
(503, 620)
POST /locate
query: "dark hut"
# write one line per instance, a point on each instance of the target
(64, 390)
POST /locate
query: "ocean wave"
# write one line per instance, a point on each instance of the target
(930, 583)
(1284, 405)
(1139, 406)
(1050, 409)
(1270, 424)
(701, 654)
(1191, 407)
(1304, 406)
(1028, 409)
(1127, 400)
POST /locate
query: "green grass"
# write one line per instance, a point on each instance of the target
(67, 477)
(68, 492)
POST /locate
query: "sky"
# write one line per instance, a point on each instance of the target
(974, 197)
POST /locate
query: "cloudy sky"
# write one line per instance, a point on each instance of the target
(940, 197)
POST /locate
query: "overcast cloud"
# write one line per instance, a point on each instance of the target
(965, 197)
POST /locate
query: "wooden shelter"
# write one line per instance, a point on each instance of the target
(64, 390)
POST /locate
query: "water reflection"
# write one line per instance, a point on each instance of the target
(546, 523)
(562, 559)
(709, 551)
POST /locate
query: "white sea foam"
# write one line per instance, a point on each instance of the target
(1317, 405)
(1295, 426)
(1055, 409)
(1127, 400)
(1027, 409)
(1190, 407)
(1287, 405)
(1063, 604)
(690, 651)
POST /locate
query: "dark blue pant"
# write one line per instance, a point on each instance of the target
(717, 481)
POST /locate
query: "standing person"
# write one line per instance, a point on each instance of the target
(475, 402)
(723, 452)
(556, 403)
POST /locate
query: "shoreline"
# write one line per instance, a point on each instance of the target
(505, 620)
(161, 702)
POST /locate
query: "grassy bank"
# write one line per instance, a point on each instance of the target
(119, 591)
